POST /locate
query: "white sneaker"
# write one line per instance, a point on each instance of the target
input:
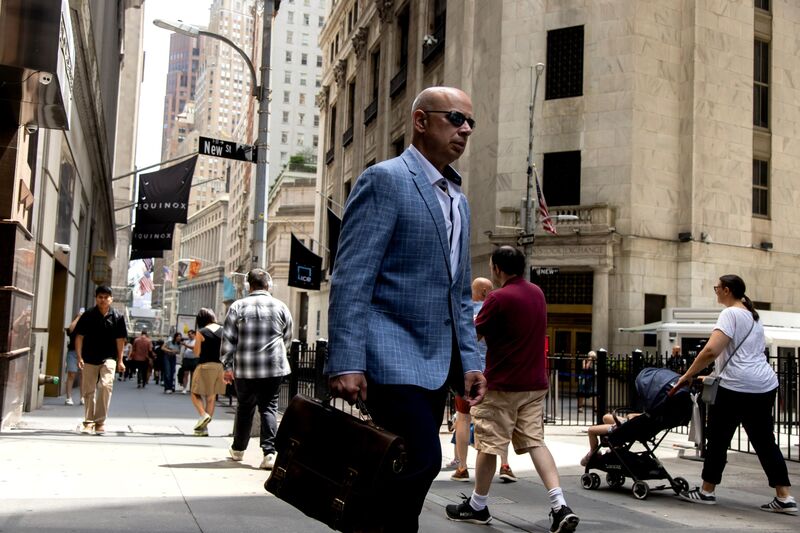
(69, 401)
(82, 401)
(236, 455)
(202, 422)
(268, 462)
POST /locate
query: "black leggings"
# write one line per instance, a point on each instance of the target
(754, 412)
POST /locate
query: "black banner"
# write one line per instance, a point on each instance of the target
(305, 267)
(334, 228)
(145, 254)
(152, 236)
(164, 194)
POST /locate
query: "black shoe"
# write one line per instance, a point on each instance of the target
(564, 520)
(463, 512)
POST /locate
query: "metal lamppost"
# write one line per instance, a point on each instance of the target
(262, 93)
(532, 216)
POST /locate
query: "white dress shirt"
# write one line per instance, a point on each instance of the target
(447, 201)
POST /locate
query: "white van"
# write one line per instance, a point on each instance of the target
(689, 328)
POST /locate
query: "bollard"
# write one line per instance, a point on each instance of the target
(602, 384)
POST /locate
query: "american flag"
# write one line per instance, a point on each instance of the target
(146, 284)
(544, 216)
(167, 274)
(148, 264)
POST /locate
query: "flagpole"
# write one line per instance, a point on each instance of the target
(530, 219)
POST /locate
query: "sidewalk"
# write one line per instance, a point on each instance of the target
(149, 474)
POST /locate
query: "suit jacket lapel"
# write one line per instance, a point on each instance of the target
(429, 196)
(463, 238)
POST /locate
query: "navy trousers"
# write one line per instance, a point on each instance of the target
(415, 414)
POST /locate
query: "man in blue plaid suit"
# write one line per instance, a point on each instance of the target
(400, 315)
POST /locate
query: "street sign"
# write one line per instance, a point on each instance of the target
(227, 149)
(544, 271)
(525, 239)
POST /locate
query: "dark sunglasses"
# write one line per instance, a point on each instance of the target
(457, 118)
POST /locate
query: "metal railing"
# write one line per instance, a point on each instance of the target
(580, 393)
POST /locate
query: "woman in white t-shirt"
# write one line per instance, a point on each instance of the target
(746, 395)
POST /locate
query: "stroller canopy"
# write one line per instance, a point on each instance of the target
(653, 384)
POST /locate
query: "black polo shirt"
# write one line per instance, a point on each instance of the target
(100, 334)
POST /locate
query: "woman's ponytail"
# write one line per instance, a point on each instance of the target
(749, 305)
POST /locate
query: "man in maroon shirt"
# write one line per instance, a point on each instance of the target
(513, 320)
(140, 353)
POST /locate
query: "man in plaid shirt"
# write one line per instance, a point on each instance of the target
(254, 339)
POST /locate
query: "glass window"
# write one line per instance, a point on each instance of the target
(285, 117)
(761, 84)
(306, 19)
(289, 37)
(290, 17)
(561, 181)
(304, 59)
(302, 98)
(286, 97)
(284, 137)
(287, 77)
(288, 56)
(760, 187)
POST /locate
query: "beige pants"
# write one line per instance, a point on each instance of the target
(99, 380)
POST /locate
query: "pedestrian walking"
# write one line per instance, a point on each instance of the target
(400, 320)
(462, 434)
(72, 359)
(746, 395)
(171, 349)
(257, 328)
(100, 337)
(188, 362)
(140, 357)
(513, 320)
(208, 379)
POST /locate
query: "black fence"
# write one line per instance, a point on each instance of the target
(582, 389)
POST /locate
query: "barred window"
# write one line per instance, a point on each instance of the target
(564, 63)
(762, 4)
(569, 288)
(760, 187)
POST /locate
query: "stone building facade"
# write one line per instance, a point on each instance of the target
(203, 239)
(669, 129)
(66, 78)
(291, 211)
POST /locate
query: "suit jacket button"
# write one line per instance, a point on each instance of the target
(447, 321)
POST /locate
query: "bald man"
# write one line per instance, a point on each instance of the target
(400, 317)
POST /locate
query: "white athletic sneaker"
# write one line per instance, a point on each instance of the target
(236, 455)
(268, 462)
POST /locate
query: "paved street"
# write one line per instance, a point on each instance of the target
(150, 474)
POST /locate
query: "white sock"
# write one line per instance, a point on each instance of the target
(704, 493)
(478, 502)
(787, 499)
(556, 498)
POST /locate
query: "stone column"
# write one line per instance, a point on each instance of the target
(600, 308)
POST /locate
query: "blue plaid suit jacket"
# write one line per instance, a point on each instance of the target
(394, 304)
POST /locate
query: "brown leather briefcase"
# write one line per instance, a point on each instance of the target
(333, 466)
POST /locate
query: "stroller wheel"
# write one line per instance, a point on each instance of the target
(680, 485)
(615, 480)
(640, 490)
(587, 482)
(595, 480)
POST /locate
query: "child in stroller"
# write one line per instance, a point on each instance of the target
(661, 414)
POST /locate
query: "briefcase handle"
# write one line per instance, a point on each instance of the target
(360, 405)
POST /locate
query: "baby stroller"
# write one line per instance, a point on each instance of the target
(661, 413)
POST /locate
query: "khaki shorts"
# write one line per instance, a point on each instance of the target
(207, 380)
(517, 417)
